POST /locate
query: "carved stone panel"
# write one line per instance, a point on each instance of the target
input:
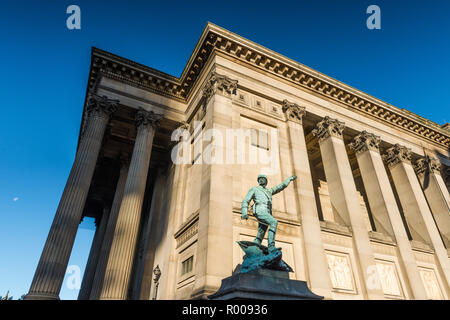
(431, 283)
(389, 278)
(341, 273)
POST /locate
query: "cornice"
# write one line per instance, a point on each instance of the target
(105, 64)
(216, 39)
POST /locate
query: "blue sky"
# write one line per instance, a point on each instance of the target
(44, 68)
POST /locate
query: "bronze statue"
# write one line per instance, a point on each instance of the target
(262, 208)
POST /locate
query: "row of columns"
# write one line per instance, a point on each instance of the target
(344, 196)
(382, 201)
(108, 269)
(415, 206)
(383, 204)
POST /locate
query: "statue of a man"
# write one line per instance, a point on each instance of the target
(262, 208)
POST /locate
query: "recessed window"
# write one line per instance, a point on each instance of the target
(259, 138)
(187, 265)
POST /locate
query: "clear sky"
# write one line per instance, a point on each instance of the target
(44, 71)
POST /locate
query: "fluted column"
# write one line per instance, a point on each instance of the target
(436, 192)
(169, 282)
(317, 266)
(384, 206)
(345, 199)
(97, 283)
(52, 265)
(91, 265)
(117, 276)
(415, 206)
(215, 224)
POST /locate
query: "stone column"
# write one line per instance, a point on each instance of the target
(215, 227)
(317, 266)
(415, 207)
(436, 192)
(91, 265)
(52, 265)
(120, 260)
(109, 233)
(384, 206)
(174, 208)
(345, 199)
(151, 230)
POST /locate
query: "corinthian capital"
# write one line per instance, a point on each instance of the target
(328, 127)
(365, 141)
(397, 154)
(293, 111)
(219, 84)
(147, 118)
(101, 105)
(429, 164)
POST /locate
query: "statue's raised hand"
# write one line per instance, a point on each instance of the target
(293, 177)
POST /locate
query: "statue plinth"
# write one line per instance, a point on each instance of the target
(262, 275)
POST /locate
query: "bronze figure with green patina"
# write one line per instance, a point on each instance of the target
(262, 208)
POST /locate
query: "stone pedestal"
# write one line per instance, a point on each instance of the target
(263, 284)
(262, 275)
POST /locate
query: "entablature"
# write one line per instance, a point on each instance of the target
(216, 41)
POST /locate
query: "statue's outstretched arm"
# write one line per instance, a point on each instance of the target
(282, 185)
(246, 202)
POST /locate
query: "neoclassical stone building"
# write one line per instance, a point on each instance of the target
(367, 218)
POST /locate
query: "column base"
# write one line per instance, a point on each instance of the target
(40, 296)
